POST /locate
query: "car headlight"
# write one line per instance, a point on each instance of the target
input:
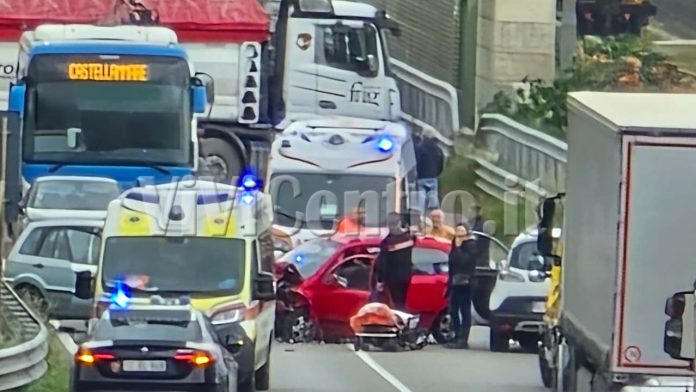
(510, 276)
(228, 314)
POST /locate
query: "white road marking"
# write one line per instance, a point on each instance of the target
(367, 359)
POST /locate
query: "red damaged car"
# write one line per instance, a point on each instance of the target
(324, 282)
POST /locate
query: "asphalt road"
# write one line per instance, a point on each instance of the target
(337, 368)
(676, 17)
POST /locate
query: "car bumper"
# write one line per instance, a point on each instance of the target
(89, 378)
(244, 355)
(517, 314)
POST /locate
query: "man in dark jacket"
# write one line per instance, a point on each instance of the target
(394, 266)
(430, 162)
(462, 268)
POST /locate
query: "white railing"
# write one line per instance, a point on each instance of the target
(516, 160)
(26, 362)
(428, 101)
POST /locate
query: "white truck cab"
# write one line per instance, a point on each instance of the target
(320, 170)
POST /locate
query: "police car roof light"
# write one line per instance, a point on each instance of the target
(143, 196)
(213, 198)
(385, 143)
(120, 297)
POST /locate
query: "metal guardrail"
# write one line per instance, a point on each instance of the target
(26, 362)
(517, 161)
(428, 101)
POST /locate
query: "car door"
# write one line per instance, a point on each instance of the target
(346, 85)
(493, 252)
(40, 259)
(339, 299)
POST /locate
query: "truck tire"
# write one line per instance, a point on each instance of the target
(263, 375)
(498, 341)
(547, 372)
(222, 160)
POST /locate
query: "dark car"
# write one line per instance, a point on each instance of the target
(153, 347)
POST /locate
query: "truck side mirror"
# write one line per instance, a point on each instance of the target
(372, 65)
(679, 337)
(17, 97)
(200, 99)
(264, 287)
(209, 83)
(83, 285)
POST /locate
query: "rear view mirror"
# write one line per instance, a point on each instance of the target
(200, 99)
(83, 285)
(372, 64)
(264, 287)
(679, 338)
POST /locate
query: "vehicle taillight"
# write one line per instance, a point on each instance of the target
(198, 358)
(86, 357)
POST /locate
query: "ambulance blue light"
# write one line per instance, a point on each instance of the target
(248, 198)
(120, 296)
(385, 144)
(299, 259)
(144, 197)
(249, 182)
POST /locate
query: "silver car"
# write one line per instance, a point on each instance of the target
(68, 197)
(44, 260)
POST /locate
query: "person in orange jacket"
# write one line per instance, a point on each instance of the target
(354, 223)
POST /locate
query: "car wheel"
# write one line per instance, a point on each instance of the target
(498, 341)
(299, 328)
(33, 298)
(442, 329)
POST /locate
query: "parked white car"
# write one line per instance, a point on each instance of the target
(518, 300)
(68, 197)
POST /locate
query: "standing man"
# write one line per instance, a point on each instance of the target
(439, 228)
(430, 162)
(394, 266)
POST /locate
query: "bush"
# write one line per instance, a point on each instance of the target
(622, 63)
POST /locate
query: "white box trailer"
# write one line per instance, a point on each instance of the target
(630, 235)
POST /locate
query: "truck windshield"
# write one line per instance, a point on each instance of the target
(298, 196)
(125, 110)
(203, 266)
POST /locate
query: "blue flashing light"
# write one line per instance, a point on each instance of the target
(248, 198)
(120, 296)
(299, 259)
(249, 182)
(385, 143)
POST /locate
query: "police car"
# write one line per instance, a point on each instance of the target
(156, 346)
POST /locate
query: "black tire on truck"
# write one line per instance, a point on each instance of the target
(222, 159)
(263, 375)
(547, 372)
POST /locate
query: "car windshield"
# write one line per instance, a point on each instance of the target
(429, 261)
(73, 195)
(299, 196)
(143, 121)
(192, 265)
(147, 331)
(523, 254)
(311, 255)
